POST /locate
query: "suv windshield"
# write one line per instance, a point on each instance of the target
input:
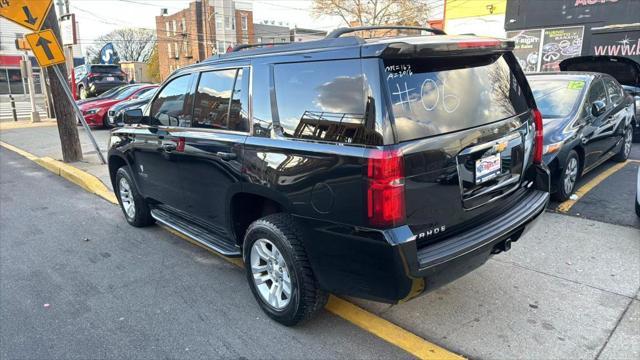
(442, 95)
(105, 69)
(556, 98)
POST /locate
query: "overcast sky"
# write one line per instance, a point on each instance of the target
(99, 17)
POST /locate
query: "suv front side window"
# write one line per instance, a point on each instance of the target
(221, 100)
(169, 108)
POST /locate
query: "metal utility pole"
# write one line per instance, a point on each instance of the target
(67, 128)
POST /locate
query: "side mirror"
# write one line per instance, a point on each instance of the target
(133, 116)
(597, 108)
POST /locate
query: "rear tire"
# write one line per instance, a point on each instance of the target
(275, 260)
(625, 150)
(569, 177)
(134, 207)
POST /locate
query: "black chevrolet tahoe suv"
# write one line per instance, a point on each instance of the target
(377, 168)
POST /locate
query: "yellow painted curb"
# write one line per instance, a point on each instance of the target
(566, 206)
(85, 180)
(388, 331)
(26, 124)
(356, 315)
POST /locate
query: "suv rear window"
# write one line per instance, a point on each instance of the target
(441, 95)
(105, 69)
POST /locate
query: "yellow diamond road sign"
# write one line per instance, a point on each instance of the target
(45, 47)
(28, 13)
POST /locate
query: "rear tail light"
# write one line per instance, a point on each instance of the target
(385, 188)
(538, 137)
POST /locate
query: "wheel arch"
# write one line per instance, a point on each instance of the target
(251, 204)
(115, 162)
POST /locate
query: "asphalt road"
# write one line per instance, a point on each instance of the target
(131, 293)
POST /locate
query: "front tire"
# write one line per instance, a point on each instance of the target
(278, 270)
(624, 152)
(134, 207)
(569, 177)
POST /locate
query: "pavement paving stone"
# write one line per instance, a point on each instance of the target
(588, 252)
(625, 340)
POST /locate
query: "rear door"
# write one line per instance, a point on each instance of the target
(211, 165)
(464, 125)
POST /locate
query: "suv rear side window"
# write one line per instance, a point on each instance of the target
(323, 101)
(441, 95)
(221, 100)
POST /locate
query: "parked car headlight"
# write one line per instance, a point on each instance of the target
(552, 148)
(91, 111)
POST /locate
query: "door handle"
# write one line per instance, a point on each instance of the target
(226, 156)
(169, 147)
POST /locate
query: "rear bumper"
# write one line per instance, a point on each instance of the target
(388, 266)
(445, 261)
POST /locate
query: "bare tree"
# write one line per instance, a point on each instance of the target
(375, 12)
(132, 44)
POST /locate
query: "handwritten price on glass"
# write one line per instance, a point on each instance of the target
(432, 94)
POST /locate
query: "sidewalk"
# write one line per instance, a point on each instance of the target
(42, 139)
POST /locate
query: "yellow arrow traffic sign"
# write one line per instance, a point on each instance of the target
(45, 47)
(28, 13)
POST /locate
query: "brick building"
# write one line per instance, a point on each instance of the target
(204, 28)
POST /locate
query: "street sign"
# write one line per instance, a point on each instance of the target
(45, 47)
(28, 13)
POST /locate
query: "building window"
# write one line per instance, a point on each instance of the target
(244, 23)
(259, 39)
(174, 27)
(175, 45)
(227, 22)
(169, 50)
(184, 25)
(219, 22)
(167, 27)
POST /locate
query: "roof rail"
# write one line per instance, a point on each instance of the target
(345, 30)
(248, 46)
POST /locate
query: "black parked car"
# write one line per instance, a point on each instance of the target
(115, 115)
(587, 120)
(623, 69)
(94, 79)
(379, 168)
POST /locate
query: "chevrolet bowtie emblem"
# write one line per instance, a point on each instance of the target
(501, 146)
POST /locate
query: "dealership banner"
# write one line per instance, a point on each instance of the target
(620, 43)
(527, 49)
(559, 44)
